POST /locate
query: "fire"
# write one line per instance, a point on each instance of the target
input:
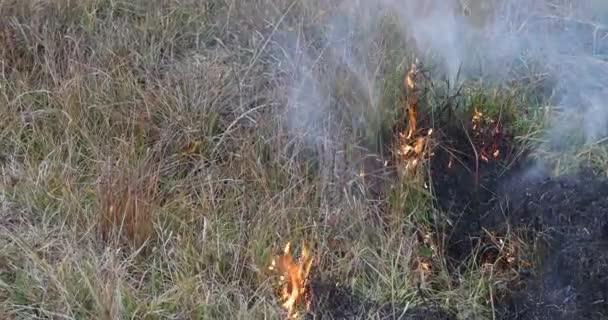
(489, 133)
(294, 278)
(412, 143)
(412, 101)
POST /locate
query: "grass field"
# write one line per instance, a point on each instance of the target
(156, 155)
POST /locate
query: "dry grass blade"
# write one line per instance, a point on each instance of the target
(267, 120)
(128, 200)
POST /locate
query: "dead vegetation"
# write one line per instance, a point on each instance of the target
(129, 198)
(156, 155)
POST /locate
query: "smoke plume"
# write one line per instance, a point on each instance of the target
(484, 40)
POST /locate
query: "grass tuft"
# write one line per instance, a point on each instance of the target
(128, 200)
(154, 155)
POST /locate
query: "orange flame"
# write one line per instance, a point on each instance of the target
(489, 132)
(412, 142)
(293, 279)
(412, 100)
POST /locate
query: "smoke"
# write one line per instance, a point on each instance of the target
(474, 39)
(568, 39)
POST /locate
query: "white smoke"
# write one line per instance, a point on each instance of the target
(474, 38)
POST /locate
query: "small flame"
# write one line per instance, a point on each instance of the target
(477, 118)
(488, 132)
(412, 142)
(412, 101)
(293, 276)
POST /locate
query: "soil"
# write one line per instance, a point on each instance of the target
(332, 302)
(570, 216)
(565, 220)
(562, 220)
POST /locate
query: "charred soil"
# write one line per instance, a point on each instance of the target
(568, 218)
(564, 220)
(332, 302)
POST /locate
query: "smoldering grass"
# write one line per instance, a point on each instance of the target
(171, 115)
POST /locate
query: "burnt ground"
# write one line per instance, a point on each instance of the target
(332, 302)
(565, 220)
(570, 215)
(562, 220)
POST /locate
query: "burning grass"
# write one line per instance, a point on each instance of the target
(167, 126)
(294, 279)
(414, 144)
(488, 133)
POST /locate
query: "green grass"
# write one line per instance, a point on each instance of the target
(188, 97)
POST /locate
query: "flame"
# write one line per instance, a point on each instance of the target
(477, 117)
(489, 133)
(412, 141)
(293, 276)
(412, 100)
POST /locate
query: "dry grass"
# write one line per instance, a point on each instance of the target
(128, 200)
(168, 126)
